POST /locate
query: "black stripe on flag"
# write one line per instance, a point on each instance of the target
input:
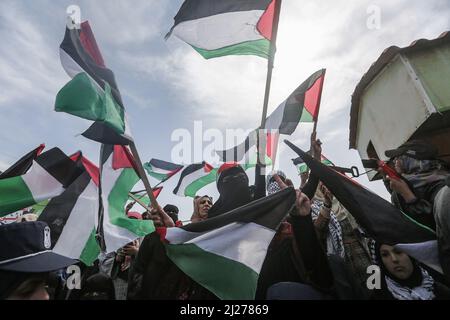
(380, 219)
(295, 104)
(71, 44)
(58, 210)
(164, 165)
(187, 171)
(22, 165)
(268, 212)
(60, 166)
(197, 9)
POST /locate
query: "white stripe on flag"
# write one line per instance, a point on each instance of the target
(80, 224)
(115, 236)
(222, 30)
(191, 178)
(41, 184)
(425, 252)
(243, 242)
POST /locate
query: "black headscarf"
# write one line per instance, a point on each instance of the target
(234, 190)
(413, 281)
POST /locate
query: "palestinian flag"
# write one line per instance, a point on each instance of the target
(48, 177)
(379, 218)
(71, 218)
(161, 170)
(247, 149)
(145, 198)
(216, 28)
(301, 106)
(193, 178)
(225, 254)
(117, 178)
(23, 164)
(302, 167)
(93, 93)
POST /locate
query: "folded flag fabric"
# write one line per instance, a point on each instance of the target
(216, 28)
(117, 179)
(225, 254)
(161, 170)
(93, 93)
(23, 164)
(380, 219)
(50, 174)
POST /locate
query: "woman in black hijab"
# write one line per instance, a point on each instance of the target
(234, 189)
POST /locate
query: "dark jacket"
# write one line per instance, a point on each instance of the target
(299, 258)
(154, 276)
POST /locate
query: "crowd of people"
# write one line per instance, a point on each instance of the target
(319, 252)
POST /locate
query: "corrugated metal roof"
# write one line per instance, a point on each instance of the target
(387, 55)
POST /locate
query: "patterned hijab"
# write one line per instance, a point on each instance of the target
(422, 172)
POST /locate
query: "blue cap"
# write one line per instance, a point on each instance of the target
(26, 247)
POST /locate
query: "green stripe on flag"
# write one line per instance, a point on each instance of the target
(117, 199)
(191, 190)
(81, 97)
(259, 48)
(14, 195)
(306, 116)
(90, 251)
(227, 279)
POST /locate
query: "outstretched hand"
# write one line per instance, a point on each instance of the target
(283, 185)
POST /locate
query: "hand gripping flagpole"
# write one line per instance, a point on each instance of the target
(261, 141)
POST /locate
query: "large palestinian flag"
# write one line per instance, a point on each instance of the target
(50, 174)
(161, 170)
(216, 28)
(117, 178)
(225, 254)
(380, 219)
(23, 164)
(93, 93)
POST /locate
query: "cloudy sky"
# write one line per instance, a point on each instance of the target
(167, 86)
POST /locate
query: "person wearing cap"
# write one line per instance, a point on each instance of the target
(26, 259)
(423, 191)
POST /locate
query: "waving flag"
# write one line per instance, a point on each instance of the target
(161, 170)
(93, 93)
(117, 178)
(23, 164)
(225, 254)
(50, 174)
(71, 218)
(193, 178)
(216, 28)
(301, 106)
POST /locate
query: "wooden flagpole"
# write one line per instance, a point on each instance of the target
(261, 143)
(143, 176)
